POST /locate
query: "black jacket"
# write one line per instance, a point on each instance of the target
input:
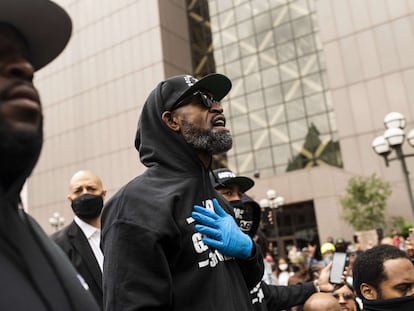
(34, 272)
(22, 274)
(75, 245)
(267, 297)
(284, 297)
(154, 258)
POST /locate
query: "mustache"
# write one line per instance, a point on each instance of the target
(4, 91)
(218, 118)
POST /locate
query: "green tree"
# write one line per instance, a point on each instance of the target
(365, 202)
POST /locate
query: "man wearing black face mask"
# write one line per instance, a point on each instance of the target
(247, 213)
(383, 278)
(80, 239)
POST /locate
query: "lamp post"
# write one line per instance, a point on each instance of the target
(273, 201)
(56, 221)
(393, 138)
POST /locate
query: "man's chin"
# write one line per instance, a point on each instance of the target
(20, 146)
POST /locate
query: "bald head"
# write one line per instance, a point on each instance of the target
(321, 302)
(83, 182)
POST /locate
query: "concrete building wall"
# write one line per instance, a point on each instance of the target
(368, 47)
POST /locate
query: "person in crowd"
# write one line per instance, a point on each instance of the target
(409, 248)
(387, 240)
(35, 274)
(300, 275)
(261, 240)
(330, 239)
(345, 295)
(383, 278)
(284, 271)
(80, 240)
(314, 259)
(300, 271)
(321, 302)
(327, 251)
(248, 213)
(396, 238)
(154, 257)
(351, 257)
(341, 245)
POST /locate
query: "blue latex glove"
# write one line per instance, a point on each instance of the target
(222, 232)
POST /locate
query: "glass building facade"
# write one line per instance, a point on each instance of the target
(272, 52)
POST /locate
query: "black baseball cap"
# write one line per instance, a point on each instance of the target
(223, 177)
(176, 88)
(45, 26)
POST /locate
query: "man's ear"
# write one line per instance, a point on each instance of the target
(168, 118)
(368, 292)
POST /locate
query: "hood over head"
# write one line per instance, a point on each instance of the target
(256, 213)
(155, 142)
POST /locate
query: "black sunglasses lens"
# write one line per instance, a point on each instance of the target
(205, 100)
(346, 296)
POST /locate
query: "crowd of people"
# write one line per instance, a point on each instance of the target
(378, 278)
(181, 236)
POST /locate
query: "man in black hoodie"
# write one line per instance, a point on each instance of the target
(154, 257)
(34, 272)
(248, 213)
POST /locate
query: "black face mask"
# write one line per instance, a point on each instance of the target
(400, 304)
(87, 206)
(243, 218)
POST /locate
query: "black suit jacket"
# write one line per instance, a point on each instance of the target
(19, 293)
(76, 246)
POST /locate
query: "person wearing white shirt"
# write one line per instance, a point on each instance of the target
(80, 240)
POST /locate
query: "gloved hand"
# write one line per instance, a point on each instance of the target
(222, 232)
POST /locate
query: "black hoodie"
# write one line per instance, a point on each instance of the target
(256, 213)
(154, 258)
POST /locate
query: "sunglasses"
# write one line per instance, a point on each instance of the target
(205, 99)
(346, 296)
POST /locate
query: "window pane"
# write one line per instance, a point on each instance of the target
(297, 129)
(255, 101)
(243, 143)
(295, 109)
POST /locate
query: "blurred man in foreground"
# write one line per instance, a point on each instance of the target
(35, 274)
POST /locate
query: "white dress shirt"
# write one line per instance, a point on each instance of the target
(94, 238)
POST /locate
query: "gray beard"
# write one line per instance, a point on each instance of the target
(210, 141)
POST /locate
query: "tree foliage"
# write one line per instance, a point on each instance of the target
(365, 202)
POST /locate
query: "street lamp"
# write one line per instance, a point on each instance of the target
(56, 221)
(272, 202)
(393, 138)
